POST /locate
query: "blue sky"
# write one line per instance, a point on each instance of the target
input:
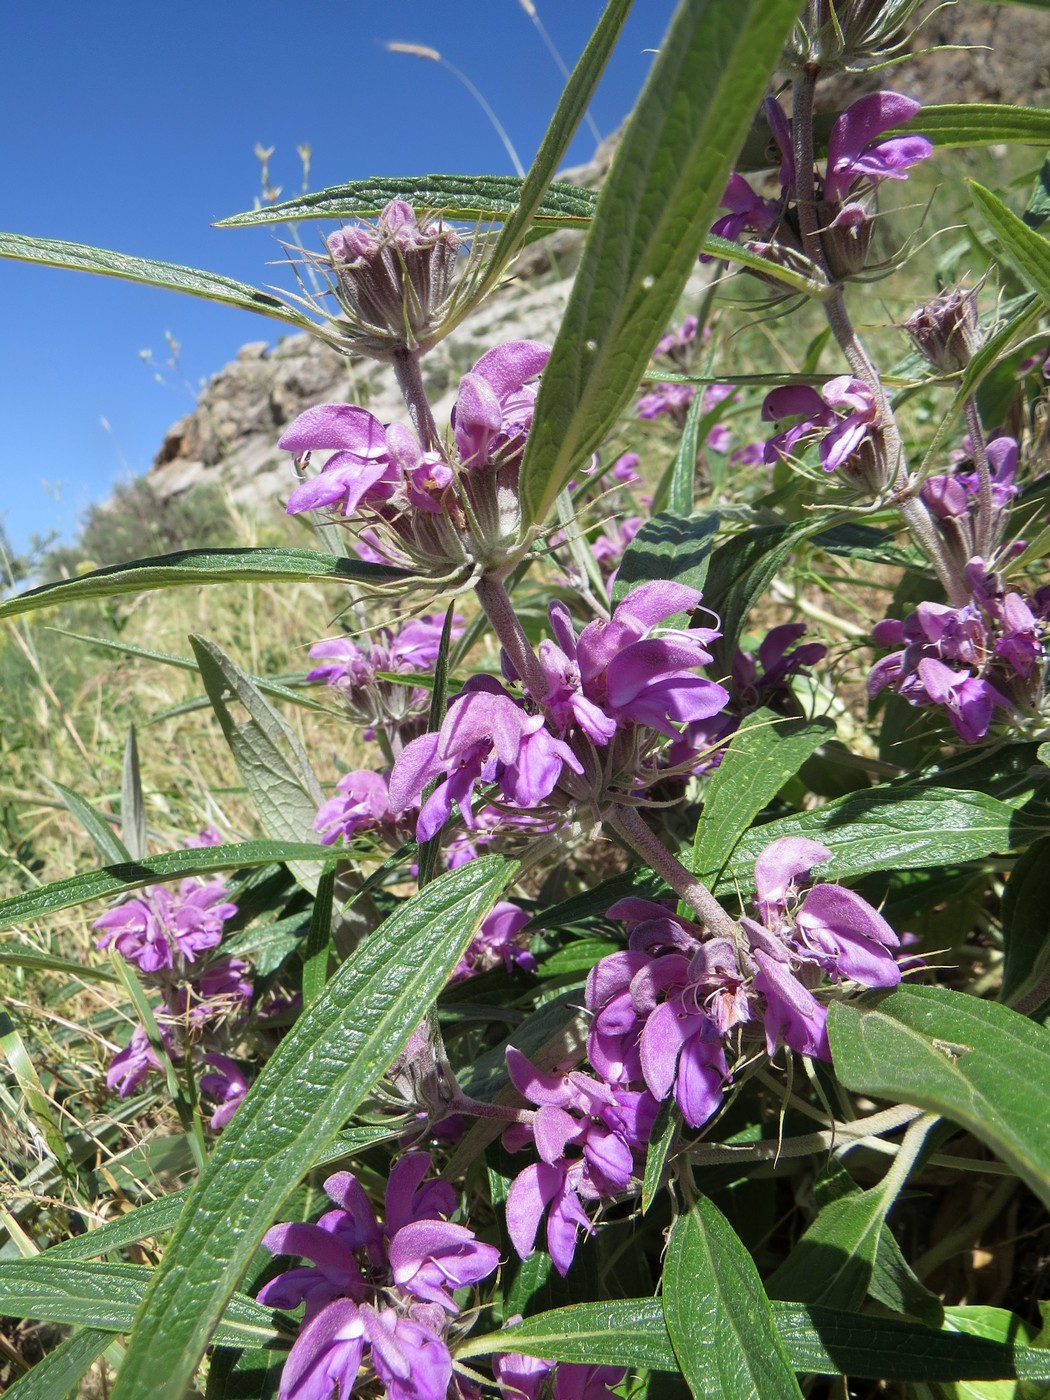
(132, 127)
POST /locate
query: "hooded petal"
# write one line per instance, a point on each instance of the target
(328, 426)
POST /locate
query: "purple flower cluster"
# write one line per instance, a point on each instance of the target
(666, 1016)
(458, 507)
(615, 686)
(759, 679)
(163, 931)
(843, 415)
(381, 1292)
(858, 161)
(393, 281)
(357, 674)
(167, 934)
(586, 1133)
(970, 660)
(665, 1010)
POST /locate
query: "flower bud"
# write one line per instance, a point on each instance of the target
(393, 283)
(849, 35)
(946, 330)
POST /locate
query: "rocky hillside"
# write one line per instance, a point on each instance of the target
(987, 53)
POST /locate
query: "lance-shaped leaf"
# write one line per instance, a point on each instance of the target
(317, 1076)
(268, 753)
(718, 1316)
(486, 198)
(1025, 250)
(667, 179)
(976, 1062)
(904, 827)
(762, 756)
(668, 547)
(62, 1369)
(191, 567)
(121, 876)
(212, 286)
(106, 1296)
(818, 1341)
(977, 124)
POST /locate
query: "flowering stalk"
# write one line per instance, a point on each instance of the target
(493, 597)
(891, 448)
(410, 381)
(628, 823)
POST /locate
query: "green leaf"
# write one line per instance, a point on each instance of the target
(661, 1140)
(62, 1369)
(132, 805)
(537, 190)
(316, 1077)
(106, 1296)
(892, 827)
(48, 962)
(268, 753)
(319, 946)
(281, 688)
(718, 1316)
(157, 1217)
(835, 1258)
(94, 823)
(122, 876)
(190, 567)
(668, 547)
(741, 570)
(681, 483)
(40, 1109)
(487, 198)
(1026, 948)
(621, 1332)
(1027, 252)
(80, 257)
(976, 1062)
(667, 178)
(833, 1342)
(817, 1341)
(761, 757)
(978, 124)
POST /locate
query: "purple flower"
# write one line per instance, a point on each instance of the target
(600, 1126)
(486, 736)
(855, 154)
(748, 212)
(363, 804)
(226, 1085)
(494, 407)
(843, 437)
(529, 1378)
(497, 941)
(129, 1068)
(826, 928)
(161, 931)
(616, 673)
(358, 1269)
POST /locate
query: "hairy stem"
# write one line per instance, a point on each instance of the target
(979, 451)
(840, 1135)
(891, 448)
(628, 822)
(410, 382)
(499, 610)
